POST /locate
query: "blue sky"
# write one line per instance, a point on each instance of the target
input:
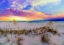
(4, 5)
(34, 9)
(50, 7)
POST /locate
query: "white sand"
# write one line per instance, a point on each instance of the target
(30, 40)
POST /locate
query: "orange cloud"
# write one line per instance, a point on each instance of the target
(27, 16)
(57, 16)
(33, 16)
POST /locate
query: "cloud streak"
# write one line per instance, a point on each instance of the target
(23, 15)
(25, 10)
(20, 4)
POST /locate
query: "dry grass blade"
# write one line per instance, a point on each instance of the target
(50, 23)
(14, 21)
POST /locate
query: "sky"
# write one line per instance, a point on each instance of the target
(28, 10)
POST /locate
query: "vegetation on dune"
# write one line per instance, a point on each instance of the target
(24, 31)
(37, 31)
(19, 40)
(40, 30)
(45, 38)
